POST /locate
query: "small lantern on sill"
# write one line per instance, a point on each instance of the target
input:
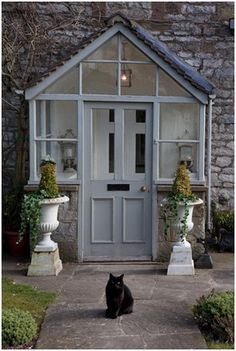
(186, 156)
(68, 150)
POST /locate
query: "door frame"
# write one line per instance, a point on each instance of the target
(153, 186)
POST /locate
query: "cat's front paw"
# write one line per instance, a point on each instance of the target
(109, 314)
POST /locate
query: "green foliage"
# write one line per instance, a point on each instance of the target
(48, 182)
(12, 209)
(26, 298)
(18, 327)
(30, 217)
(181, 192)
(31, 210)
(215, 316)
(219, 345)
(181, 183)
(223, 219)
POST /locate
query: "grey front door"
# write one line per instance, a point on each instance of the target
(117, 181)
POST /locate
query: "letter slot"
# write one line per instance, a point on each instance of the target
(117, 187)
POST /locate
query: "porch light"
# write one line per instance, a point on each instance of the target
(68, 150)
(186, 156)
(126, 77)
(126, 74)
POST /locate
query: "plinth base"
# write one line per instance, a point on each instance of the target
(45, 263)
(51, 246)
(181, 262)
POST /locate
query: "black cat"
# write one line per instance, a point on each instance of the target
(118, 296)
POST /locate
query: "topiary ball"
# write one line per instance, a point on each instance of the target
(18, 327)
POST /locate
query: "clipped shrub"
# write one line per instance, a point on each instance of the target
(182, 182)
(18, 327)
(215, 316)
(48, 182)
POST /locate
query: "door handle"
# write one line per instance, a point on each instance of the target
(144, 189)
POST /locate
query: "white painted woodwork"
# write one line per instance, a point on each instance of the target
(117, 224)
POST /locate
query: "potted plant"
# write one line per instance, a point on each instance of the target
(39, 209)
(223, 228)
(11, 223)
(177, 208)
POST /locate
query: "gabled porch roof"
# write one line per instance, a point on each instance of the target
(182, 69)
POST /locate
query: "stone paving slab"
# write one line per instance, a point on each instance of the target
(162, 317)
(81, 326)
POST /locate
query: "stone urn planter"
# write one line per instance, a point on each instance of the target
(181, 262)
(39, 213)
(178, 224)
(177, 212)
(49, 222)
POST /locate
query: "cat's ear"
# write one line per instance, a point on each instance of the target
(121, 276)
(111, 276)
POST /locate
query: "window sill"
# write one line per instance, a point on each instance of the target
(195, 188)
(62, 187)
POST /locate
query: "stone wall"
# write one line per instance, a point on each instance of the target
(66, 235)
(196, 31)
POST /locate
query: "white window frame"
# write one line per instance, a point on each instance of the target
(34, 139)
(200, 142)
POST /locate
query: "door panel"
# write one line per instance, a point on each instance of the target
(102, 220)
(133, 220)
(117, 181)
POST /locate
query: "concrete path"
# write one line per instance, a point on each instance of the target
(162, 317)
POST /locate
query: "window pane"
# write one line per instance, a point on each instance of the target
(107, 51)
(134, 143)
(168, 87)
(138, 79)
(112, 116)
(66, 163)
(68, 84)
(99, 78)
(54, 118)
(103, 144)
(130, 52)
(140, 153)
(179, 121)
(172, 154)
(111, 152)
(140, 116)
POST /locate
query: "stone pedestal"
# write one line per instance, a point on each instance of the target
(181, 262)
(44, 263)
